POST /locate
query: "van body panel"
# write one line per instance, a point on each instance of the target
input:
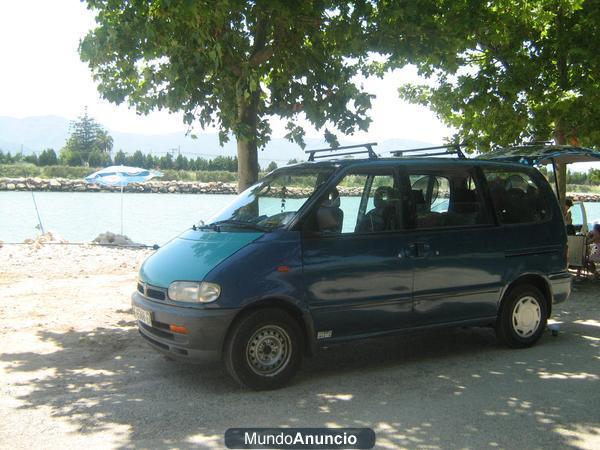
(358, 284)
(460, 277)
(192, 255)
(206, 329)
(269, 268)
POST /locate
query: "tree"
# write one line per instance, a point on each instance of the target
(87, 137)
(32, 159)
(138, 159)
(512, 71)
(98, 159)
(181, 162)
(95, 159)
(235, 65)
(166, 162)
(226, 163)
(6, 158)
(272, 166)
(149, 162)
(201, 163)
(120, 158)
(594, 176)
(71, 157)
(48, 158)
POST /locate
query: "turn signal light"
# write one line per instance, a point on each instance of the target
(178, 329)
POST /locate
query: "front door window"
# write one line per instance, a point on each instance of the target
(360, 203)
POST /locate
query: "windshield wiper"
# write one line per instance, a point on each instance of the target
(203, 226)
(241, 224)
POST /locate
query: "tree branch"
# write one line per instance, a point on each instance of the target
(261, 52)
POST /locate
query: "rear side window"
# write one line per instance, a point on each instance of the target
(516, 197)
(446, 199)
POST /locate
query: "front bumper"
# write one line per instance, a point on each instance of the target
(207, 329)
(560, 285)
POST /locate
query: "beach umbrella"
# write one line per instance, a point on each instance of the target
(121, 176)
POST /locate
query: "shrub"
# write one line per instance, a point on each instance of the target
(19, 170)
(67, 172)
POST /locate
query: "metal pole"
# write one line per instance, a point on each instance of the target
(38, 213)
(121, 210)
(556, 181)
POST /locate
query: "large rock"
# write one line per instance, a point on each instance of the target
(116, 240)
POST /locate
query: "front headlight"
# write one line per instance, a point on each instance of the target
(192, 292)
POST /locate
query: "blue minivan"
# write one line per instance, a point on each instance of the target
(340, 249)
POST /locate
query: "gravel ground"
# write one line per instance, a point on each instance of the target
(75, 373)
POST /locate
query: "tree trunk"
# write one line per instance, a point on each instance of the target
(561, 169)
(247, 163)
(246, 143)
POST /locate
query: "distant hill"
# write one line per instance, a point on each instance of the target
(33, 134)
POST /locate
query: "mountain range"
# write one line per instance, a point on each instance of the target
(34, 134)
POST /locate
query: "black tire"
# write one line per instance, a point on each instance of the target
(518, 324)
(264, 349)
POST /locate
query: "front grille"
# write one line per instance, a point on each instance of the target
(155, 294)
(151, 292)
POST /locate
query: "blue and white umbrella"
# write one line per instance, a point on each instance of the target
(121, 176)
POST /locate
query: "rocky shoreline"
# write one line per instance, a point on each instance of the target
(153, 186)
(172, 187)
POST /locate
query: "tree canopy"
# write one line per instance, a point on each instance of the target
(512, 70)
(234, 64)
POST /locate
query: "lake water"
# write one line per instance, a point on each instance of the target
(148, 218)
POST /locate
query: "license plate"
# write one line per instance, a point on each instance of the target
(142, 315)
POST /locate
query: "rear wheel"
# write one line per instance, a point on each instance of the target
(264, 349)
(522, 318)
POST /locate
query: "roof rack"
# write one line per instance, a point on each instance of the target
(531, 143)
(451, 149)
(368, 149)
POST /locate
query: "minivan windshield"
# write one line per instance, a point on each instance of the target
(273, 201)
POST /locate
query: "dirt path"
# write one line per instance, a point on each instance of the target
(75, 374)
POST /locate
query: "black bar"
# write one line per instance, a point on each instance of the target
(333, 149)
(368, 146)
(428, 154)
(420, 149)
(456, 151)
(342, 154)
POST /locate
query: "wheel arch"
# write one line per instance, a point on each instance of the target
(302, 317)
(534, 279)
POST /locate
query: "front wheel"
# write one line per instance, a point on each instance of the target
(522, 318)
(264, 349)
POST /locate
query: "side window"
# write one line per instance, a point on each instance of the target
(447, 199)
(516, 197)
(360, 203)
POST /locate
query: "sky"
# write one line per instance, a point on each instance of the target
(41, 74)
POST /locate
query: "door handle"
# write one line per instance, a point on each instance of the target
(417, 250)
